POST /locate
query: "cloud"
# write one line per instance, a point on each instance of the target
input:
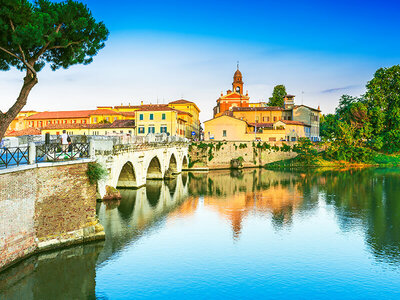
(340, 89)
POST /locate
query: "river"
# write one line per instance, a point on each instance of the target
(310, 234)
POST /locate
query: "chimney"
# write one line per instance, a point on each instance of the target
(141, 102)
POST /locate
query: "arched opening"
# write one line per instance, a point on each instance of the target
(184, 178)
(128, 201)
(185, 163)
(171, 184)
(154, 169)
(172, 165)
(153, 192)
(127, 178)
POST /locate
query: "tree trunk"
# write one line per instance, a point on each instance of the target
(30, 81)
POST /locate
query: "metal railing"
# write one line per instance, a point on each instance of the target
(13, 156)
(17, 156)
(57, 152)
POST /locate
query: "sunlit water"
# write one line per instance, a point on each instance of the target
(234, 235)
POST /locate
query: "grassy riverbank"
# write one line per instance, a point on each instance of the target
(379, 159)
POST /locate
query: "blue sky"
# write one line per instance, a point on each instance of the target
(165, 50)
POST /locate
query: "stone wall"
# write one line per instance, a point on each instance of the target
(44, 208)
(223, 152)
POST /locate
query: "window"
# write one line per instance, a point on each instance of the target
(152, 129)
(274, 119)
(163, 116)
(289, 118)
(224, 133)
(151, 116)
(141, 117)
(95, 120)
(141, 129)
(108, 118)
(115, 118)
(293, 139)
(163, 129)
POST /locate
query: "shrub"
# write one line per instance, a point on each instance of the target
(96, 172)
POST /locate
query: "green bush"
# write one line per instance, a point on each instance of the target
(96, 172)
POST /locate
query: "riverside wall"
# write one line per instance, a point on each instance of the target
(223, 152)
(44, 207)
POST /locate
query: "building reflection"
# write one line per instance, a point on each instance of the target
(236, 194)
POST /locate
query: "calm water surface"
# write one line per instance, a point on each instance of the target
(234, 235)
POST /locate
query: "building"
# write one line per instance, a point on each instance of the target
(19, 123)
(97, 116)
(159, 119)
(234, 97)
(118, 127)
(191, 114)
(235, 118)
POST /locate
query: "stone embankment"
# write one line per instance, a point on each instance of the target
(44, 207)
(218, 155)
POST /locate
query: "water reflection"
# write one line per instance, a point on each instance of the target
(140, 210)
(298, 205)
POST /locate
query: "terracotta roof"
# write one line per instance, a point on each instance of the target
(262, 125)
(267, 108)
(155, 108)
(297, 106)
(26, 131)
(122, 124)
(234, 95)
(180, 112)
(294, 123)
(71, 114)
(181, 101)
(128, 113)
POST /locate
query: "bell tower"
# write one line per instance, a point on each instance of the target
(237, 81)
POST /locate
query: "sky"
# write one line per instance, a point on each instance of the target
(159, 51)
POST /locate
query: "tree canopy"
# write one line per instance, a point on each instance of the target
(362, 125)
(278, 96)
(60, 34)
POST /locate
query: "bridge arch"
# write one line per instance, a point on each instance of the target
(154, 170)
(173, 166)
(185, 163)
(127, 176)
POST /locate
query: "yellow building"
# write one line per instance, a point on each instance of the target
(233, 129)
(97, 116)
(152, 119)
(192, 116)
(19, 123)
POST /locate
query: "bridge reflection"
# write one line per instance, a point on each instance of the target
(140, 210)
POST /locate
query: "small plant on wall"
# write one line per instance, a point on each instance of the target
(96, 172)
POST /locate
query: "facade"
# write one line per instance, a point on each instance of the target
(118, 127)
(235, 118)
(19, 123)
(97, 116)
(191, 114)
(151, 119)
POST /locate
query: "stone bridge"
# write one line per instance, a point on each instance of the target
(131, 165)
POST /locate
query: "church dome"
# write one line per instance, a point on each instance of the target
(237, 73)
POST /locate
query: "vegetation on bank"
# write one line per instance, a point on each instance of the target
(366, 129)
